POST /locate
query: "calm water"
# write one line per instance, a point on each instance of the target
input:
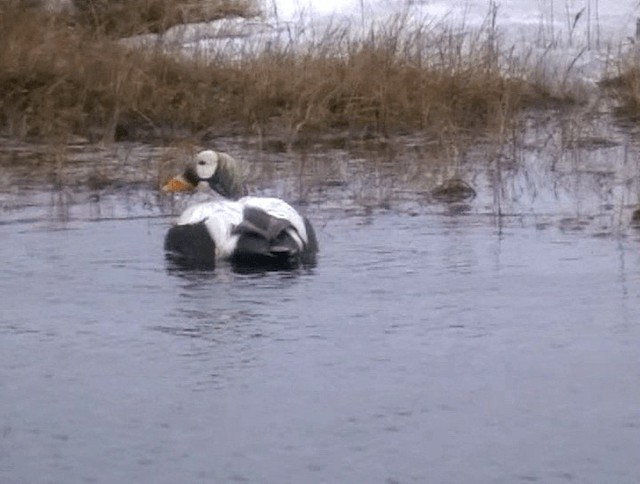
(424, 347)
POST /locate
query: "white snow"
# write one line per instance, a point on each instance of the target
(603, 21)
(580, 36)
(576, 37)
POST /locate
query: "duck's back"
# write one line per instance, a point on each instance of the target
(278, 209)
(252, 230)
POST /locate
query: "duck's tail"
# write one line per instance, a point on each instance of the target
(265, 238)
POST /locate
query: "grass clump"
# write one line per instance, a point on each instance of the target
(61, 75)
(625, 87)
(375, 86)
(58, 78)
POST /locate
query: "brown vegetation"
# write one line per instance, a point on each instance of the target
(626, 86)
(60, 76)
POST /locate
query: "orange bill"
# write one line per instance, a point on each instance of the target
(177, 184)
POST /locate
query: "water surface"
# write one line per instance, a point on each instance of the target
(427, 345)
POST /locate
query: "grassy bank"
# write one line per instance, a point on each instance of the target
(68, 74)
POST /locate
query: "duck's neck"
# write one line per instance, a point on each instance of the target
(228, 182)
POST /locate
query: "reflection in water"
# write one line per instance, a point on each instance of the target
(552, 169)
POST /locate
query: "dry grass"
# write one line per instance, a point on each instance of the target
(371, 87)
(56, 78)
(59, 77)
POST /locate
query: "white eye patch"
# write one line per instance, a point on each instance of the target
(206, 164)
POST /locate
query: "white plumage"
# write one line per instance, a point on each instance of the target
(222, 217)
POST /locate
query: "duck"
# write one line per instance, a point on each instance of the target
(248, 231)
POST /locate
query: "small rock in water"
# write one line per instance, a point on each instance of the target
(453, 190)
(635, 217)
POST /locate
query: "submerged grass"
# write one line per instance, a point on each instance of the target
(63, 75)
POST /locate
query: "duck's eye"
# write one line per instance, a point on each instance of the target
(201, 162)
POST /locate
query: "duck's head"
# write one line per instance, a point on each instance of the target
(210, 170)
